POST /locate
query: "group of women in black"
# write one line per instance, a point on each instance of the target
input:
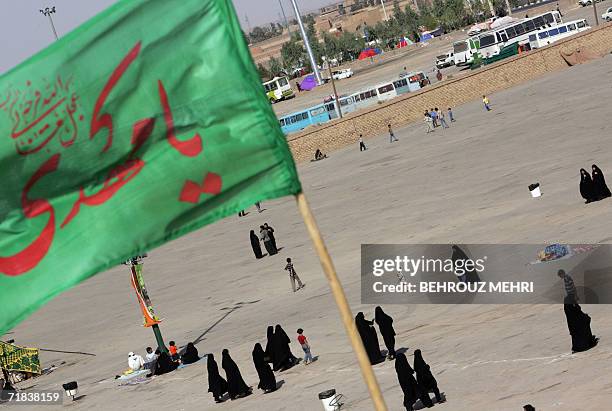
(266, 235)
(419, 388)
(370, 338)
(414, 389)
(277, 352)
(593, 188)
(234, 385)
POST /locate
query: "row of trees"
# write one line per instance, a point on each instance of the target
(447, 14)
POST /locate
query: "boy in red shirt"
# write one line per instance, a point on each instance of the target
(173, 351)
(305, 346)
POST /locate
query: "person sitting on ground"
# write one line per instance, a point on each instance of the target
(319, 155)
(173, 351)
(151, 358)
(190, 355)
(165, 364)
(135, 362)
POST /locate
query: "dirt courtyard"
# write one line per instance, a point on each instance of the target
(466, 184)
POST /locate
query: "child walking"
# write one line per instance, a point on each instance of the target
(305, 346)
(450, 115)
(293, 276)
(486, 102)
(392, 137)
(362, 146)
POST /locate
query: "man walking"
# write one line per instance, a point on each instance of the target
(434, 117)
(293, 276)
(440, 115)
(392, 137)
(570, 289)
(362, 146)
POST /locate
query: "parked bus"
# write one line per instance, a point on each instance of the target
(318, 114)
(547, 36)
(492, 41)
(278, 89)
(325, 112)
(465, 50)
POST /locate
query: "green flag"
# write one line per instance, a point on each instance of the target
(145, 123)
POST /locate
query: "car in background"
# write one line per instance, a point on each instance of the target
(607, 16)
(342, 74)
(445, 60)
(585, 3)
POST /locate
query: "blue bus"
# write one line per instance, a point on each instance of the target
(318, 114)
(322, 113)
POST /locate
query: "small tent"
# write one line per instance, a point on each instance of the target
(308, 83)
(369, 52)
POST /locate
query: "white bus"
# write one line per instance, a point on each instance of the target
(278, 89)
(465, 50)
(492, 41)
(547, 36)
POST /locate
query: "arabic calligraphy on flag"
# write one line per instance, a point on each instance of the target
(118, 138)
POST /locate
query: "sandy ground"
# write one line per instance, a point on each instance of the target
(467, 184)
(422, 58)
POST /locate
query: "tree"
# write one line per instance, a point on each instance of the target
(292, 54)
(500, 8)
(315, 46)
(275, 66)
(263, 72)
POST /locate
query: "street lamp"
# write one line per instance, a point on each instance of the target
(306, 43)
(48, 11)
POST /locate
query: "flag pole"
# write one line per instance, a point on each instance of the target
(343, 306)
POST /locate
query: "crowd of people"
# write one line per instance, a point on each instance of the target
(593, 186)
(413, 388)
(435, 117)
(277, 357)
(160, 362)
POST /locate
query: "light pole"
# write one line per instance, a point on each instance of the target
(595, 11)
(306, 42)
(331, 76)
(384, 10)
(48, 12)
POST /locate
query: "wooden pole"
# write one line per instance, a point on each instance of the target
(343, 306)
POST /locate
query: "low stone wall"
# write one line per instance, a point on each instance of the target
(468, 86)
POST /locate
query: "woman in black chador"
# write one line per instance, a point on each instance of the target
(269, 352)
(216, 383)
(600, 188)
(579, 324)
(283, 358)
(470, 276)
(255, 245)
(370, 339)
(411, 388)
(424, 376)
(236, 387)
(164, 364)
(385, 325)
(191, 354)
(267, 382)
(587, 189)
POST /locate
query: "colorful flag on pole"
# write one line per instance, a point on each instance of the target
(145, 123)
